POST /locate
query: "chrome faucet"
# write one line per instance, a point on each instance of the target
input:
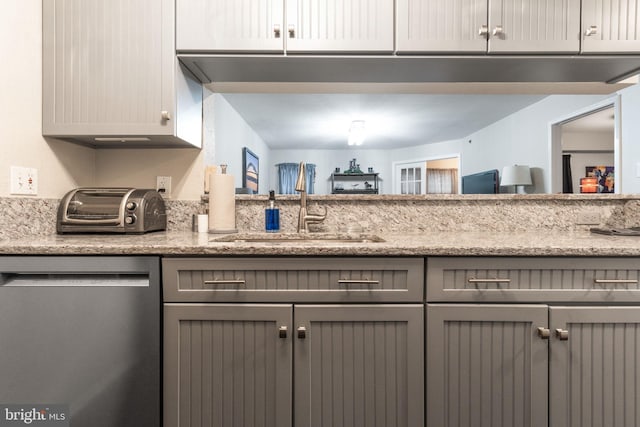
(305, 218)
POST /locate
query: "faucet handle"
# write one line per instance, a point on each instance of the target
(316, 217)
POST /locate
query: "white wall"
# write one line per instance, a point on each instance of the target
(231, 134)
(522, 138)
(630, 139)
(61, 166)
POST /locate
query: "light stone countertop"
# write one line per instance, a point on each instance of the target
(544, 243)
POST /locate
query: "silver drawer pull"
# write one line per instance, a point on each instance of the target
(225, 282)
(494, 280)
(358, 282)
(609, 281)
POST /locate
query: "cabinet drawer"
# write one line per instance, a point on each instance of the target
(305, 279)
(506, 279)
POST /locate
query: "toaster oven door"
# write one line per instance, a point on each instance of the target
(96, 206)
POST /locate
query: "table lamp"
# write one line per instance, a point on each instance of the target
(516, 175)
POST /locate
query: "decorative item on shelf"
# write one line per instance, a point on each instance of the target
(370, 169)
(516, 175)
(353, 167)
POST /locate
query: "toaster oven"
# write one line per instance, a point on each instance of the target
(111, 210)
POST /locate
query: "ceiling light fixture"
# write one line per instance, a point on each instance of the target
(356, 133)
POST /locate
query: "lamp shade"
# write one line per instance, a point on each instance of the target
(516, 175)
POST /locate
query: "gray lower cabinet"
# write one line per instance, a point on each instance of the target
(486, 366)
(595, 370)
(358, 365)
(273, 364)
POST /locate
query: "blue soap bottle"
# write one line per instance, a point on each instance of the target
(272, 215)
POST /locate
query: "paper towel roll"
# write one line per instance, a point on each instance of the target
(222, 204)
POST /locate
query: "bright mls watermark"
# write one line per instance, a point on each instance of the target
(31, 414)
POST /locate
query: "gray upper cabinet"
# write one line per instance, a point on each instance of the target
(441, 26)
(476, 26)
(610, 26)
(340, 26)
(269, 26)
(110, 75)
(229, 25)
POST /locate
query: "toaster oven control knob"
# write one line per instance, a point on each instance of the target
(130, 219)
(131, 206)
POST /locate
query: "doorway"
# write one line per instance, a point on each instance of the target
(585, 150)
(438, 175)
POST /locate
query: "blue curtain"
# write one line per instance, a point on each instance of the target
(311, 177)
(288, 173)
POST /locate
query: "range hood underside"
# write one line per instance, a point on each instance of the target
(411, 69)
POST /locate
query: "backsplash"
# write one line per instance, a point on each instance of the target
(376, 214)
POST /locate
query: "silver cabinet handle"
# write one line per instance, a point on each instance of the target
(358, 282)
(562, 334)
(483, 31)
(282, 331)
(276, 31)
(225, 282)
(292, 31)
(165, 115)
(489, 280)
(591, 31)
(544, 333)
(613, 281)
(302, 332)
(498, 31)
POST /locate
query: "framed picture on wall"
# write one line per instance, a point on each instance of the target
(604, 176)
(250, 170)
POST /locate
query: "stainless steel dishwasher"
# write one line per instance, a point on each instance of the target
(84, 333)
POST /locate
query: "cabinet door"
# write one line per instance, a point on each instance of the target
(610, 26)
(227, 365)
(534, 26)
(339, 25)
(359, 365)
(230, 25)
(441, 26)
(595, 371)
(486, 365)
(109, 67)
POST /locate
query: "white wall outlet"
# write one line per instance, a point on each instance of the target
(163, 186)
(588, 218)
(24, 180)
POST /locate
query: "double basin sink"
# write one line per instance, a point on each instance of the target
(300, 238)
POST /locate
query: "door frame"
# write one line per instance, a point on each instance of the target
(555, 142)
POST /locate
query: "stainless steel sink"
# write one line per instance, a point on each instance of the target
(315, 238)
